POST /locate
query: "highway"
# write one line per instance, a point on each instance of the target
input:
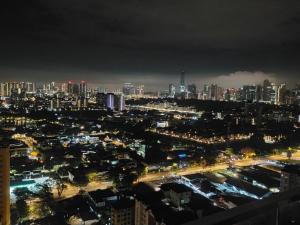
(220, 166)
(72, 190)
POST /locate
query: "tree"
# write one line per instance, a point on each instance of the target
(22, 193)
(22, 208)
(45, 194)
(60, 187)
(229, 151)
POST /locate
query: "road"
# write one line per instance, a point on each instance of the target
(73, 190)
(220, 166)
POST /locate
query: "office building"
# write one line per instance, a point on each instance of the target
(192, 91)
(266, 91)
(249, 93)
(70, 88)
(172, 91)
(215, 92)
(119, 101)
(182, 82)
(110, 101)
(83, 89)
(140, 89)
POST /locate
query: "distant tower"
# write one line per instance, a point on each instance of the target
(182, 82)
(83, 88)
(110, 101)
(172, 90)
(119, 101)
(4, 186)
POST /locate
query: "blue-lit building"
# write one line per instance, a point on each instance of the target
(110, 101)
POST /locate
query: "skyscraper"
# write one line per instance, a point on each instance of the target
(140, 89)
(249, 93)
(172, 90)
(101, 100)
(192, 91)
(267, 90)
(119, 101)
(83, 88)
(182, 82)
(214, 92)
(4, 186)
(110, 101)
(70, 88)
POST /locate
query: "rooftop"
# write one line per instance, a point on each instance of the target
(178, 188)
(123, 203)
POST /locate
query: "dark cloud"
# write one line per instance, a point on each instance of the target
(140, 38)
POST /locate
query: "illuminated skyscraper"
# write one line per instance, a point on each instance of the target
(182, 82)
(213, 92)
(83, 88)
(119, 102)
(267, 91)
(249, 93)
(140, 89)
(70, 88)
(4, 186)
(172, 90)
(192, 91)
(110, 101)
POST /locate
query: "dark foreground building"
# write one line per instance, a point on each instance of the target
(280, 209)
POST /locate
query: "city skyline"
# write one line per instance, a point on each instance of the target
(108, 42)
(240, 78)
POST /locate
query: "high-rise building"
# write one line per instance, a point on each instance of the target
(110, 101)
(249, 93)
(172, 91)
(30, 87)
(182, 82)
(70, 88)
(259, 93)
(214, 92)
(64, 87)
(266, 91)
(75, 89)
(101, 100)
(2, 90)
(140, 89)
(83, 89)
(192, 91)
(4, 186)
(282, 94)
(119, 101)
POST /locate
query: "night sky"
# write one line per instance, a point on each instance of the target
(150, 41)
